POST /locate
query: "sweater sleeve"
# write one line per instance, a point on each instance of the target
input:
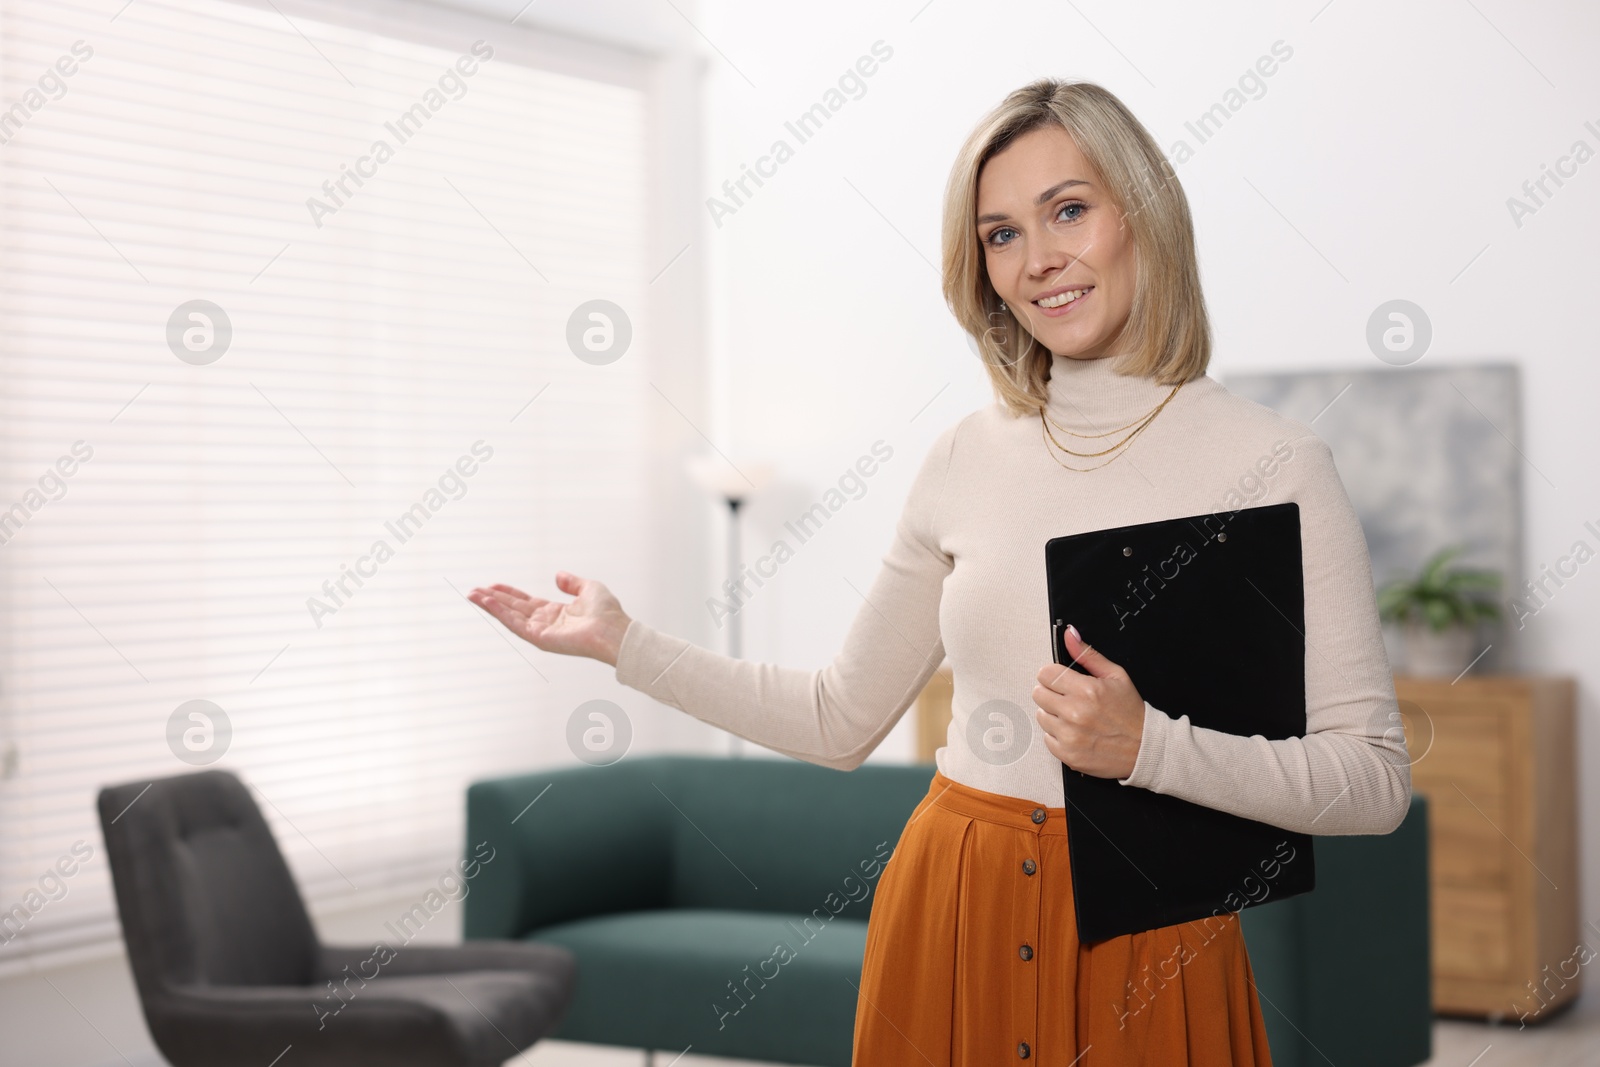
(1351, 773)
(837, 715)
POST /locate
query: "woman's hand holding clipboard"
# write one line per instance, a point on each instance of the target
(1093, 718)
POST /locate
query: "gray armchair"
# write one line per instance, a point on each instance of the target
(230, 971)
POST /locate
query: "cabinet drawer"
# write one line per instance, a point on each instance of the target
(1466, 850)
(1466, 745)
(1471, 932)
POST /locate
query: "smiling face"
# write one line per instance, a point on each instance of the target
(1055, 244)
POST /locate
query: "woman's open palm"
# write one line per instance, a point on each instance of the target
(590, 625)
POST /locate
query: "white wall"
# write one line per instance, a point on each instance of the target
(1377, 164)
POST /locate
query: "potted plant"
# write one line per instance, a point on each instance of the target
(1437, 609)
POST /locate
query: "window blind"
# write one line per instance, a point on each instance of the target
(281, 285)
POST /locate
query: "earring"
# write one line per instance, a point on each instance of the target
(1003, 306)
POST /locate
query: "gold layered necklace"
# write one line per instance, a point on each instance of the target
(1137, 426)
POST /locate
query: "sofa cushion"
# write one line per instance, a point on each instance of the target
(768, 986)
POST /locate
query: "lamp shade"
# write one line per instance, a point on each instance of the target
(722, 478)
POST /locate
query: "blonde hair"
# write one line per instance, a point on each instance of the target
(1167, 336)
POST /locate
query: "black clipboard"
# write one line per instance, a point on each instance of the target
(1206, 613)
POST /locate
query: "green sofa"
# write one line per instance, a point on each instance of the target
(673, 878)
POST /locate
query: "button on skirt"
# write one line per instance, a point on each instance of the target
(973, 957)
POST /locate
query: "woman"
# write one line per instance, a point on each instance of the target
(1069, 256)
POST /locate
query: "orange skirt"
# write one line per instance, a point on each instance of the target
(973, 958)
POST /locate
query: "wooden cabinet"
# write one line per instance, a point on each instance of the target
(1495, 756)
(933, 714)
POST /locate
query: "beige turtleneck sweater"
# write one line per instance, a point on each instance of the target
(964, 577)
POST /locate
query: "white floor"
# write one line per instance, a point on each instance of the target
(1564, 1040)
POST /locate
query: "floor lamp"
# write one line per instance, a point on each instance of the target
(733, 486)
